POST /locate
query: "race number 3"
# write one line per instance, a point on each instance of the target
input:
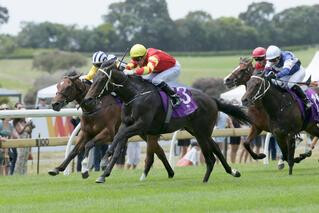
(184, 96)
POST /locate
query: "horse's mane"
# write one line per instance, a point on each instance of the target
(245, 59)
(71, 73)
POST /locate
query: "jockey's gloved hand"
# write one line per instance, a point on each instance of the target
(271, 75)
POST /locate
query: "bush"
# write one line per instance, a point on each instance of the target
(41, 82)
(58, 60)
(211, 86)
(8, 44)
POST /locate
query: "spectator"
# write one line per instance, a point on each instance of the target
(121, 160)
(273, 148)
(183, 144)
(6, 131)
(22, 129)
(222, 123)
(234, 141)
(2, 165)
(99, 152)
(133, 154)
(42, 104)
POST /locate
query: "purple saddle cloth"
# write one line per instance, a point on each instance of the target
(313, 114)
(187, 106)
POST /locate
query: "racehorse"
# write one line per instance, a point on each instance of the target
(286, 120)
(99, 124)
(260, 119)
(143, 113)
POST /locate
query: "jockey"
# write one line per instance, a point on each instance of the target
(259, 55)
(285, 66)
(159, 66)
(97, 59)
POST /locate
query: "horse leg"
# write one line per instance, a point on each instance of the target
(118, 143)
(313, 130)
(254, 132)
(148, 160)
(161, 155)
(85, 162)
(222, 159)
(283, 147)
(75, 151)
(291, 152)
(207, 151)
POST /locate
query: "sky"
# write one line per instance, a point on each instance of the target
(89, 12)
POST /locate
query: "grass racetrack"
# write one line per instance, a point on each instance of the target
(259, 189)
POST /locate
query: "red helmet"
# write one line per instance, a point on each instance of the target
(259, 52)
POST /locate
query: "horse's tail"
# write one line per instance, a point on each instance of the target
(234, 111)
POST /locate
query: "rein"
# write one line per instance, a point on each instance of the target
(263, 86)
(109, 76)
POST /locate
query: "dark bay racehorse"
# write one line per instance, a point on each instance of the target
(257, 113)
(285, 118)
(143, 113)
(99, 124)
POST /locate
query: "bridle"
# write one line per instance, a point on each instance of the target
(263, 88)
(109, 81)
(67, 98)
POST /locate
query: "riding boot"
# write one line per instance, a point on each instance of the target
(302, 95)
(171, 93)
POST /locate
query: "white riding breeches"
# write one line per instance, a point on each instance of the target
(169, 75)
(289, 81)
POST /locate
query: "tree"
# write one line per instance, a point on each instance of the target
(232, 34)
(259, 16)
(4, 15)
(46, 35)
(193, 32)
(298, 25)
(141, 21)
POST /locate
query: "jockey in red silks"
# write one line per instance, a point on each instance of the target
(286, 70)
(158, 67)
(259, 55)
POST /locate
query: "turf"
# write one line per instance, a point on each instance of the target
(259, 189)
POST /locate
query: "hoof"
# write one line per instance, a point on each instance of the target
(171, 175)
(100, 180)
(308, 154)
(235, 173)
(53, 172)
(143, 177)
(281, 166)
(85, 175)
(261, 156)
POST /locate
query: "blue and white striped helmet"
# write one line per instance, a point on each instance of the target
(98, 57)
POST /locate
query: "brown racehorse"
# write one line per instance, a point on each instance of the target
(285, 119)
(240, 76)
(98, 124)
(143, 113)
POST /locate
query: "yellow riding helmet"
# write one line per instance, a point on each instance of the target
(138, 50)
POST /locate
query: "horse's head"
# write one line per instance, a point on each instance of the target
(257, 86)
(241, 74)
(68, 89)
(107, 79)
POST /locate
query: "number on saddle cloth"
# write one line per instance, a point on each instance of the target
(314, 98)
(187, 106)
